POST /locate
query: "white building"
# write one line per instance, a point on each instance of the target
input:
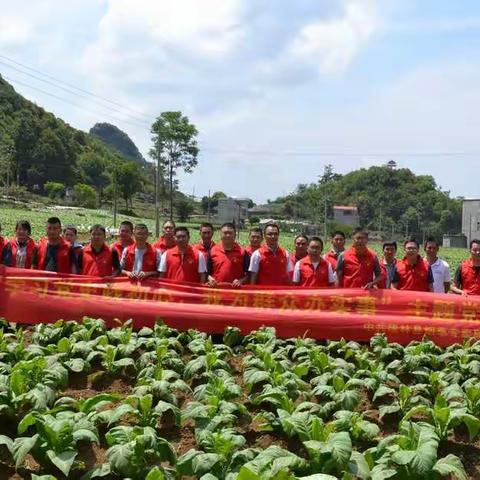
(471, 218)
(232, 210)
(346, 215)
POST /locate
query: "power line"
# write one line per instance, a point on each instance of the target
(71, 92)
(113, 102)
(116, 119)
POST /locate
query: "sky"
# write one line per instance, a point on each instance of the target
(277, 88)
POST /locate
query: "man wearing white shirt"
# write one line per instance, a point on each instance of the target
(440, 268)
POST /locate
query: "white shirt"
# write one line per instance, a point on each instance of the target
(137, 263)
(255, 262)
(202, 264)
(441, 275)
(296, 272)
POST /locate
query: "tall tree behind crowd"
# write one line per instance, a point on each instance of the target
(174, 148)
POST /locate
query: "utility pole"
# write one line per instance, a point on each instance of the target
(208, 209)
(157, 193)
(115, 197)
(325, 233)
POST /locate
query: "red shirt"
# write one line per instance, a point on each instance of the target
(227, 265)
(182, 268)
(63, 260)
(119, 247)
(385, 281)
(358, 270)
(416, 277)
(13, 246)
(332, 258)
(273, 266)
(97, 264)
(2, 244)
(469, 277)
(161, 244)
(149, 261)
(249, 249)
(311, 276)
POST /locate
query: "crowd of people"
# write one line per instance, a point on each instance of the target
(228, 264)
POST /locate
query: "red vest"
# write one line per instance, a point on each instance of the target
(309, 277)
(357, 270)
(149, 261)
(470, 278)
(227, 266)
(2, 245)
(64, 263)
(97, 265)
(161, 244)
(413, 278)
(199, 247)
(119, 248)
(30, 249)
(332, 258)
(273, 267)
(382, 284)
(250, 249)
(182, 269)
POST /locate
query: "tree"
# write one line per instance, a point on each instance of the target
(174, 147)
(85, 195)
(7, 155)
(54, 189)
(93, 171)
(184, 209)
(129, 181)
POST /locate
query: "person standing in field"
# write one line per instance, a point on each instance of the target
(412, 272)
(358, 267)
(301, 249)
(440, 268)
(255, 239)
(228, 262)
(387, 264)
(70, 234)
(140, 260)
(183, 263)
(18, 252)
(467, 276)
(205, 243)
(97, 259)
(2, 242)
(54, 253)
(313, 270)
(125, 237)
(338, 247)
(167, 240)
(270, 264)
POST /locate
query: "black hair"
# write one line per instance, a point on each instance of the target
(24, 224)
(274, 225)
(411, 240)
(431, 240)
(54, 221)
(169, 221)
(229, 225)
(390, 243)
(127, 223)
(206, 225)
(73, 228)
(474, 241)
(142, 226)
(338, 232)
(316, 239)
(256, 230)
(301, 235)
(97, 226)
(182, 229)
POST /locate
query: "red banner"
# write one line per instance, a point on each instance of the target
(30, 297)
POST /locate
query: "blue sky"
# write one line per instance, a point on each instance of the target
(277, 89)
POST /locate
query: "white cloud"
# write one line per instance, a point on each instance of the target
(14, 31)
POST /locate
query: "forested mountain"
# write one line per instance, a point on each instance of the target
(36, 148)
(117, 139)
(387, 199)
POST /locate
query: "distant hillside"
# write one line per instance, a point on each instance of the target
(117, 139)
(37, 147)
(388, 199)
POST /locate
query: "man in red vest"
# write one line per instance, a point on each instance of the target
(387, 264)
(205, 243)
(167, 240)
(2, 243)
(338, 247)
(140, 260)
(301, 249)
(467, 277)
(270, 264)
(97, 259)
(255, 239)
(412, 272)
(70, 234)
(183, 263)
(313, 270)
(125, 237)
(228, 263)
(358, 267)
(18, 252)
(53, 253)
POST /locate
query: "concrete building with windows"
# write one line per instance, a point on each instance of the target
(346, 215)
(471, 218)
(233, 210)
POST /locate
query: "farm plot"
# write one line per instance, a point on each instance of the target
(80, 401)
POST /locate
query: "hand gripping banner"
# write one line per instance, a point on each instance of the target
(31, 297)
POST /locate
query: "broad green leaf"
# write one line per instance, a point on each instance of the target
(155, 474)
(21, 447)
(76, 364)
(63, 460)
(204, 462)
(7, 441)
(84, 434)
(96, 472)
(450, 466)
